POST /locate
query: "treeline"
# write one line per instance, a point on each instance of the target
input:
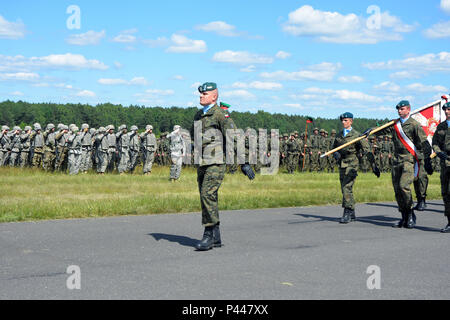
(162, 119)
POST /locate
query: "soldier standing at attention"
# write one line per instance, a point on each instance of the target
(441, 145)
(410, 145)
(293, 151)
(4, 145)
(86, 148)
(61, 148)
(211, 169)
(50, 147)
(348, 164)
(26, 144)
(150, 147)
(123, 144)
(74, 144)
(135, 148)
(102, 150)
(315, 150)
(37, 140)
(177, 152)
(16, 147)
(112, 148)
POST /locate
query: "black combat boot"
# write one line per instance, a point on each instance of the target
(402, 222)
(352, 215)
(447, 228)
(411, 220)
(421, 204)
(207, 241)
(346, 217)
(216, 237)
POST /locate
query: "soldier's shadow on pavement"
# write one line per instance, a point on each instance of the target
(182, 240)
(382, 221)
(394, 206)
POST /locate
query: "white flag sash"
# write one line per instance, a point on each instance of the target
(409, 145)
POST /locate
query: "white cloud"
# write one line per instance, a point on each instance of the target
(318, 96)
(335, 27)
(17, 93)
(388, 86)
(250, 68)
(241, 57)
(54, 61)
(159, 42)
(445, 6)
(438, 31)
(19, 76)
(320, 72)
(11, 30)
(418, 87)
(182, 44)
(220, 28)
(240, 94)
(421, 64)
(126, 36)
(283, 55)
(259, 85)
(141, 81)
(178, 77)
(351, 79)
(403, 75)
(88, 38)
(85, 94)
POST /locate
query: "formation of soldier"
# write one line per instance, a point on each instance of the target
(69, 149)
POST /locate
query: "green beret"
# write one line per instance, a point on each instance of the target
(403, 103)
(446, 106)
(346, 115)
(208, 86)
(225, 105)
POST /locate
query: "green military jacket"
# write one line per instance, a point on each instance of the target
(416, 134)
(213, 148)
(441, 141)
(315, 142)
(349, 155)
(293, 147)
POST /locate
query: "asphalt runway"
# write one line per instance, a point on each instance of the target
(280, 254)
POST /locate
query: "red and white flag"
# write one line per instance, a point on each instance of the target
(430, 116)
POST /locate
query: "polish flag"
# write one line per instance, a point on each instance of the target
(430, 116)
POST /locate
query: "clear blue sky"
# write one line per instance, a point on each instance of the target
(316, 58)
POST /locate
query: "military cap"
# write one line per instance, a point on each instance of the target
(224, 105)
(50, 126)
(295, 132)
(208, 86)
(175, 128)
(72, 125)
(74, 129)
(122, 127)
(110, 127)
(60, 126)
(316, 129)
(134, 128)
(5, 128)
(16, 128)
(101, 129)
(326, 132)
(322, 131)
(84, 126)
(403, 103)
(292, 134)
(447, 105)
(149, 127)
(27, 128)
(285, 135)
(92, 131)
(164, 134)
(346, 115)
(333, 131)
(37, 127)
(65, 127)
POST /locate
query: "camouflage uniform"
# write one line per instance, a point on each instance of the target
(331, 162)
(102, 150)
(441, 145)
(123, 144)
(61, 148)
(74, 145)
(50, 147)
(26, 144)
(293, 152)
(135, 148)
(4, 146)
(37, 143)
(86, 148)
(16, 147)
(150, 147)
(177, 151)
(315, 149)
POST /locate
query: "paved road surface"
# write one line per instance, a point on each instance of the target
(294, 253)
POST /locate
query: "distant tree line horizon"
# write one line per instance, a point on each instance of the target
(22, 113)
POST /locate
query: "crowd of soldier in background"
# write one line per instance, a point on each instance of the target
(105, 150)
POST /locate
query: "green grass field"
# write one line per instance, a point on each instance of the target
(28, 195)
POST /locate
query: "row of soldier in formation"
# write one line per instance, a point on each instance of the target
(62, 148)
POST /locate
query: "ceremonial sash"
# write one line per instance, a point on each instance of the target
(409, 145)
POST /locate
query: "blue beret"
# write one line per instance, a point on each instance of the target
(346, 115)
(208, 86)
(403, 103)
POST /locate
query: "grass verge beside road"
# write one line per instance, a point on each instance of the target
(29, 195)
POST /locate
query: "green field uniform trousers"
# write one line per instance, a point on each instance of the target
(347, 177)
(402, 178)
(209, 180)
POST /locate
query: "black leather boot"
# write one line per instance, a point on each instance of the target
(447, 228)
(411, 220)
(216, 237)
(346, 217)
(421, 204)
(352, 215)
(402, 222)
(207, 241)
